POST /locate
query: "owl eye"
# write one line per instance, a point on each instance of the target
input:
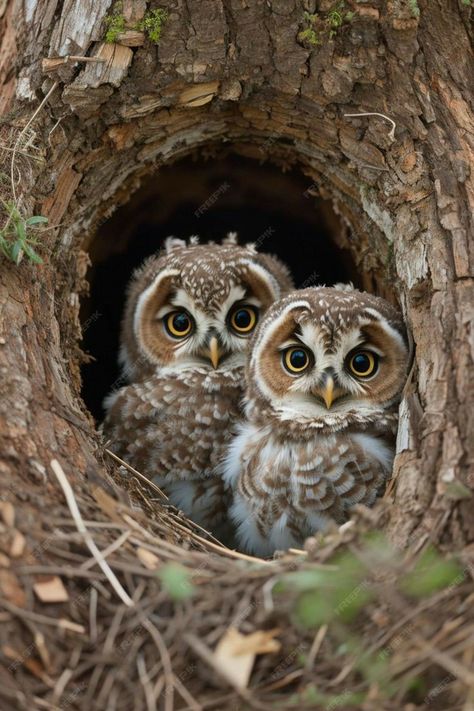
(363, 363)
(243, 319)
(296, 359)
(178, 324)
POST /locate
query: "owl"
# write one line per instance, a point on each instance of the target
(325, 373)
(189, 313)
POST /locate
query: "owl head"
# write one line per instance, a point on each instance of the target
(196, 305)
(327, 358)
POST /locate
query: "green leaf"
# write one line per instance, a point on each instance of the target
(431, 573)
(20, 229)
(313, 609)
(15, 252)
(30, 252)
(36, 220)
(175, 579)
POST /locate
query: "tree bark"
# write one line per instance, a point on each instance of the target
(241, 73)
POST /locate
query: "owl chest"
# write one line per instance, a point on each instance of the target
(192, 428)
(320, 477)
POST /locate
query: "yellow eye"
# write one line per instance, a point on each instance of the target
(296, 359)
(178, 324)
(363, 363)
(243, 319)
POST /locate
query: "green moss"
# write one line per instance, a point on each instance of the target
(309, 36)
(321, 26)
(115, 23)
(414, 9)
(152, 24)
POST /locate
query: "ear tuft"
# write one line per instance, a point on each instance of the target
(345, 287)
(172, 244)
(231, 238)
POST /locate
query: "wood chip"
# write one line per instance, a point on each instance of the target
(107, 503)
(51, 590)
(7, 512)
(131, 38)
(11, 589)
(235, 653)
(199, 94)
(149, 559)
(4, 561)
(17, 545)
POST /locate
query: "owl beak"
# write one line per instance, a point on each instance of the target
(328, 392)
(214, 353)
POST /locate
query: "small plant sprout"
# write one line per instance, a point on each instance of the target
(309, 34)
(152, 24)
(414, 9)
(115, 23)
(17, 236)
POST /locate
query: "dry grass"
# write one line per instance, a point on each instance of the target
(140, 631)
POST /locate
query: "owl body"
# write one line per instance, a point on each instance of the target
(319, 437)
(188, 318)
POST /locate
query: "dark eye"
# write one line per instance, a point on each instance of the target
(243, 319)
(178, 324)
(296, 359)
(363, 363)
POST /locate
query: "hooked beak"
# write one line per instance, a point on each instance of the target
(214, 352)
(328, 392)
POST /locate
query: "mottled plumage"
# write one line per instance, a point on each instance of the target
(319, 435)
(189, 314)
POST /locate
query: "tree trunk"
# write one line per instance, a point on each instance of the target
(276, 79)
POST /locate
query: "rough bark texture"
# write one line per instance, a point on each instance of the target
(235, 72)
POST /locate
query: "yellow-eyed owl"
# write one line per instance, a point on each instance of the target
(189, 314)
(325, 373)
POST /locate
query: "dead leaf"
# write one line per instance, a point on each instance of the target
(149, 559)
(51, 590)
(235, 653)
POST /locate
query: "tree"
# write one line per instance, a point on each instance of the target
(372, 100)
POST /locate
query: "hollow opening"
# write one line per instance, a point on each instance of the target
(278, 210)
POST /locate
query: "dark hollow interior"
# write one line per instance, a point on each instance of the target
(277, 209)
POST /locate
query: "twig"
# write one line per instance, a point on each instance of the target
(140, 476)
(93, 616)
(391, 133)
(88, 540)
(50, 64)
(62, 623)
(107, 551)
(316, 646)
(166, 661)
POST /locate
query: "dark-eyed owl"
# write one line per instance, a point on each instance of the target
(189, 314)
(325, 374)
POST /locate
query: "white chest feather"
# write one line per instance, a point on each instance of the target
(285, 491)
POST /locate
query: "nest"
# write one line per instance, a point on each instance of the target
(124, 604)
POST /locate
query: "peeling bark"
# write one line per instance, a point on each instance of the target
(235, 72)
